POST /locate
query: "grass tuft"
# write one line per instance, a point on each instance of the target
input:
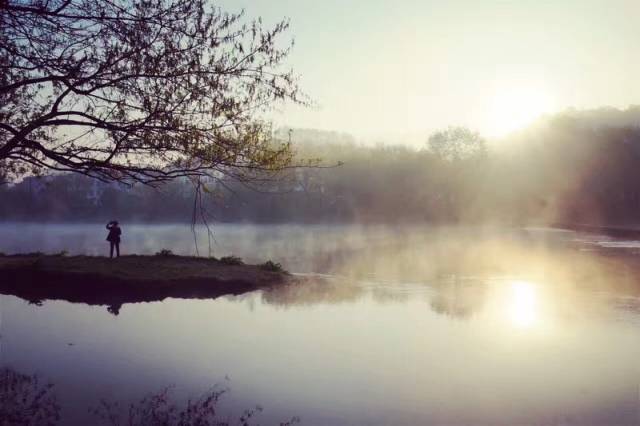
(231, 260)
(272, 266)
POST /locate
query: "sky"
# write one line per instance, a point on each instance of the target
(402, 69)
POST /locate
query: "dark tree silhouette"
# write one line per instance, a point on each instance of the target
(139, 91)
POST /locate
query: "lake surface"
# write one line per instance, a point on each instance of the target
(395, 326)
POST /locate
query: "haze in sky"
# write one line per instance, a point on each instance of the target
(381, 68)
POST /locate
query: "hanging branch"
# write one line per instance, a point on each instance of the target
(139, 91)
(200, 213)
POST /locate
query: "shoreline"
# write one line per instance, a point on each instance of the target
(98, 280)
(611, 231)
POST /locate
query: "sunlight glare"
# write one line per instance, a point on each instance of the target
(515, 108)
(523, 304)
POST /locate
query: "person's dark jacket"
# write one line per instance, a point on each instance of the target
(114, 233)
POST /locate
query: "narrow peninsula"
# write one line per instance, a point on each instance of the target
(129, 279)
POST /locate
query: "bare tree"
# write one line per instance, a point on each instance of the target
(139, 90)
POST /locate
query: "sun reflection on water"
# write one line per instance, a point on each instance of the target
(522, 304)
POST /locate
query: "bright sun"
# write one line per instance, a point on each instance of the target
(514, 108)
(523, 304)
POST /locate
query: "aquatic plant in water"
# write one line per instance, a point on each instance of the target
(25, 400)
(160, 409)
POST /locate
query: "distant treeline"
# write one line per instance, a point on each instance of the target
(576, 167)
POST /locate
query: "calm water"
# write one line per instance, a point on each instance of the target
(402, 326)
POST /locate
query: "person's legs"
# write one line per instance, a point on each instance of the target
(118, 248)
(111, 249)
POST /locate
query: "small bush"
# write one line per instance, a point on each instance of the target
(165, 253)
(231, 260)
(272, 266)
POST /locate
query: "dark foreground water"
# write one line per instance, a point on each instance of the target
(401, 326)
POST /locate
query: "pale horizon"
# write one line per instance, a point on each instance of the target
(381, 72)
(448, 233)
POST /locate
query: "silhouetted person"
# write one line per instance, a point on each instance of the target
(114, 237)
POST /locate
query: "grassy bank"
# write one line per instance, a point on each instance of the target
(128, 279)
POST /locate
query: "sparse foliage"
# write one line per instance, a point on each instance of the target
(139, 91)
(24, 400)
(160, 409)
(457, 143)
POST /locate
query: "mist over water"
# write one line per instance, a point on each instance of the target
(419, 213)
(401, 325)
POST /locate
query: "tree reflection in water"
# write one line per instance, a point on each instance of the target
(459, 298)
